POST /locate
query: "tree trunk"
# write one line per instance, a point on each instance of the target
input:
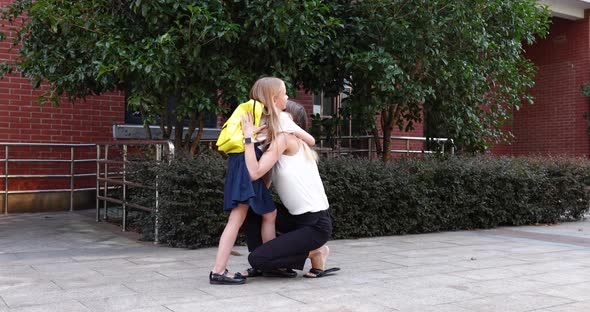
(189, 134)
(195, 146)
(388, 117)
(146, 126)
(178, 127)
(165, 123)
(377, 141)
(386, 144)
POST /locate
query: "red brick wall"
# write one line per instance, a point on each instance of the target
(554, 124)
(23, 120)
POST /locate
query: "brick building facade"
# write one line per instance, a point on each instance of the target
(553, 125)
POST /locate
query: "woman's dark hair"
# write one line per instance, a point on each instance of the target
(298, 113)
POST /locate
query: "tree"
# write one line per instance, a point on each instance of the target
(194, 54)
(458, 62)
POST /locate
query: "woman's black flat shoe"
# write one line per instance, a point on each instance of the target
(223, 279)
(252, 272)
(285, 273)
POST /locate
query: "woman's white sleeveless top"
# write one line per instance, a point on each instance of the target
(297, 181)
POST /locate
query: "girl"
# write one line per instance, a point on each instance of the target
(268, 99)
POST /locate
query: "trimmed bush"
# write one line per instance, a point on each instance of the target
(371, 198)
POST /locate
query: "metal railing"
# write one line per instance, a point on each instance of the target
(71, 175)
(119, 178)
(365, 145)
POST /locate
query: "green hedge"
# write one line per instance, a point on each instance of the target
(371, 198)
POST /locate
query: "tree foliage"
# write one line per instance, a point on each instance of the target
(459, 63)
(177, 60)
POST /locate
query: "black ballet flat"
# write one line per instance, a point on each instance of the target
(223, 279)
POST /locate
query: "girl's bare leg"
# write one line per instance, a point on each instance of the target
(267, 229)
(228, 237)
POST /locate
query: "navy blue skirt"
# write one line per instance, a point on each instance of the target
(239, 189)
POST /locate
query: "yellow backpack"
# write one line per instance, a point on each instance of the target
(231, 138)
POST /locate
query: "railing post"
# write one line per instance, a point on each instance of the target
(370, 148)
(97, 182)
(6, 179)
(124, 205)
(71, 178)
(106, 176)
(157, 221)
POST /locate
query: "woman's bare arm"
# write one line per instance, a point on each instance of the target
(258, 168)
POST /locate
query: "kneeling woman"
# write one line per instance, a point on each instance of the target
(296, 179)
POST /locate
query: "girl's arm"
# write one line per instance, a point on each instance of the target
(304, 136)
(290, 126)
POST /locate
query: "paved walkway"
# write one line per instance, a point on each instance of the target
(67, 262)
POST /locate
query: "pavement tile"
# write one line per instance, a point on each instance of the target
(85, 265)
(68, 305)
(354, 304)
(150, 309)
(269, 302)
(67, 262)
(68, 282)
(120, 303)
(25, 299)
(449, 307)
(563, 277)
(488, 274)
(488, 263)
(582, 306)
(512, 302)
(32, 287)
(429, 281)
(421, 270)
(578, 291)
(502, 286)
(401, 298)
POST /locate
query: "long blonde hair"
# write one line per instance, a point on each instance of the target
(265, 90)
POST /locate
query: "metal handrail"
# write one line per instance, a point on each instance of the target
(7, 176)
(321, 148)
(123, 183)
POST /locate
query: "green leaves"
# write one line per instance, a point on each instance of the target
(372, 198)
(452, 60)
(156, 50)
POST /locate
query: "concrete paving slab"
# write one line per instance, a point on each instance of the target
(21, 299)
(121, 303)
(582, 306)
(577, 292)
(69, 306)
(68, 262)
(268, 302)
(519, 302)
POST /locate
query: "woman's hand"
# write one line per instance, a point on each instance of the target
(248, 127)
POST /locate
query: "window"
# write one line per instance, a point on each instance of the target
(134, 117)
(326, 106)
